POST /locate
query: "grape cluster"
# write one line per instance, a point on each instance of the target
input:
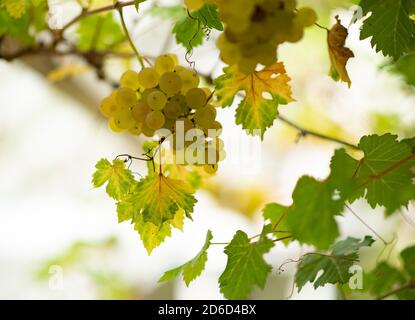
(255, 28)
(167, 96)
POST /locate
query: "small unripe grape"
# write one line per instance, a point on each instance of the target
(130, 80)
(140, 112)
(136, 130)
(170, 83)
(148, 78)
(306, 17)
(172, 110)
(147, 131)
(155, 120)
(196, 98)
(109, 106)
(156, 100)
(124, 120)
(126, 98)
(113, 126)
(165, 63)
(205, 117)
(190, 79)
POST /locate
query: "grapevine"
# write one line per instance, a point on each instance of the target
(174, 110)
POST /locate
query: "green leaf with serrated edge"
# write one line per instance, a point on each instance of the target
(99, 32)
(193, 268)
(246, 266)
(157, 198)
(311, 216)
(335, 266)
(408, 258)
(188, 33)
(389, 25)
(209, 17)
(255, 112)
(119, 178)
(152, 235)
(276, 214)
(383, 176)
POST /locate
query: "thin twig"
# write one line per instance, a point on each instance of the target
(305, 132)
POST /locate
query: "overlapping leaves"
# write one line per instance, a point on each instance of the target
(334, 266)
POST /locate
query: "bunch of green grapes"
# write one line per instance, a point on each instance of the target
(165, 96)
(255, 28)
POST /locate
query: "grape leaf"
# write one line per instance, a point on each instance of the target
(389, 25)
(118, 177)
(99, 32)
(311, 216)
(339, 54)
(157, 198)
(383, 176)
(15, 8)
(246, 266)
(189, 30)
(335, 266)
(193, 268)
(255, 111)
(276, 214)
(408, 258)
(383, 279)
(151, 235)
(405, 67)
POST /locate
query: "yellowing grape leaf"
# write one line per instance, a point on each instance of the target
(118, 177)
(338, 52)
(157, 198)
(263, 91)
(67, 71)
(152, 235)
(15, 8)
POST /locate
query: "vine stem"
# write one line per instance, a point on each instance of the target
(139, 57)
(85, 13)
(409, 285)
(305, 132)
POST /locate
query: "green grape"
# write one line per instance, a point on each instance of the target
(190, 79)
(155, 120)
(194, 5)
(217, 127)
(156, 100)
(109, 106)
(169, 124)
(147, 131)
(140, 112)
(205, 116)
(113, 126)
(124, 120)
(295, 32)
(126, 98)
(136, 130)
(130, 80)
(181, 101)
(172, 110)
(170, 83)
(306, 17)
(184, 123)
(164, 63)
(210, 168)
(196, 98)
(148, 78)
